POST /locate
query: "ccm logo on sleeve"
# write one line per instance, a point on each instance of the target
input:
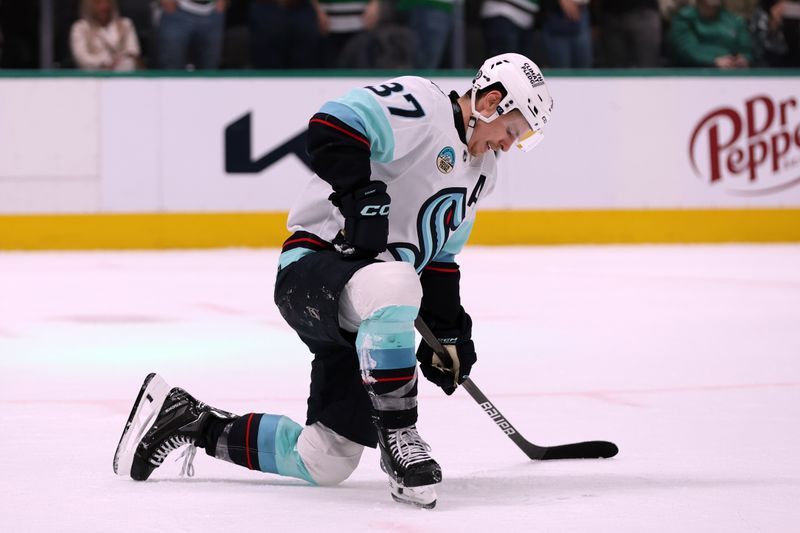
(373, 210)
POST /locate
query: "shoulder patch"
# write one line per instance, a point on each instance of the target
(446, 160)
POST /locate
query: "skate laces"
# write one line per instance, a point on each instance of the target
(173, 443)
(187, 469)
(408, 446)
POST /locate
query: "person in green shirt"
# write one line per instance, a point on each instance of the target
(708, 35)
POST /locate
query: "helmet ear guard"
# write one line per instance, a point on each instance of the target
(525, 90)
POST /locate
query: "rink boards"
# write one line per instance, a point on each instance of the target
(187, 161)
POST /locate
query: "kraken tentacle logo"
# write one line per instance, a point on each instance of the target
(439, 216)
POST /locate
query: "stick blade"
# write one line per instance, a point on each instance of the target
(593, 449)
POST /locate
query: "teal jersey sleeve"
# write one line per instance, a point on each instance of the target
(359, 110)
(395, 116)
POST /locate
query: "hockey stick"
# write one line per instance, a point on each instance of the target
(593, 449)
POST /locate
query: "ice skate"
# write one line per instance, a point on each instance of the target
(424, 496)
(412, 471)
(161, 421)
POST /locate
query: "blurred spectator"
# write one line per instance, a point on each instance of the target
(567, 33)
(191, 31)
(342, 20)
(631, 33)
(508, 25)
(743, 8)
(669, 7)
(770, 46)
(390, 47)
(708, 35)
(431, 22)
(102, 40)
(284, 34)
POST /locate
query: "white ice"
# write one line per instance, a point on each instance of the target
(687, 356)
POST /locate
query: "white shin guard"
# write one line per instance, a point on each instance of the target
(328, 457)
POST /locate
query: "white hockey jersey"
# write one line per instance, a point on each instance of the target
(415, 148)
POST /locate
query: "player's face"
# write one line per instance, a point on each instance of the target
(500, 134)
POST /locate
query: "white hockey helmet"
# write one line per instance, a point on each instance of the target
(525, 90)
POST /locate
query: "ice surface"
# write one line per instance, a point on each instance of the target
(687, 357)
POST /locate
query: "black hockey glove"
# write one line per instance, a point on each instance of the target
(366, 221)
(461, 349)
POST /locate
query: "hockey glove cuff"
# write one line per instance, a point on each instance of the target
(461, 350)
(366, 221)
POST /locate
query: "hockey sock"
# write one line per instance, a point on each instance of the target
(260, 442)
(213, 433)
(385, 345)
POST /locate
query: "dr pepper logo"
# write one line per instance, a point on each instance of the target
(750, 151)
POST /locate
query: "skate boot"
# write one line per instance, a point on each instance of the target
(412, 471)
(162, 420)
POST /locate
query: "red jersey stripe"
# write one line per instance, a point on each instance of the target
(438, 269)
(401, 378)
(305, 239)
(247, 441)
(334, 126)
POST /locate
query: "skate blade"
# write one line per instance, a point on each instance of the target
(423, 496)
(143, 415)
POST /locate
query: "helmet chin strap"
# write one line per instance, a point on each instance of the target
(471, 127)
(473, 119)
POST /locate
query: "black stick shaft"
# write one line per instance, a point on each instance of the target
(469, 385)
(578, 450)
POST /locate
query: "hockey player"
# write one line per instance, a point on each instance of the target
(400, 169)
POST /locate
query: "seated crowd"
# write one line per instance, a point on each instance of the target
(314, 34)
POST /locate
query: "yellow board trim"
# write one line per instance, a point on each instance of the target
(213, 230)
(637, 226)
(141, 231)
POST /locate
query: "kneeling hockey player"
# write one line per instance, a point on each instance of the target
(400, 170)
